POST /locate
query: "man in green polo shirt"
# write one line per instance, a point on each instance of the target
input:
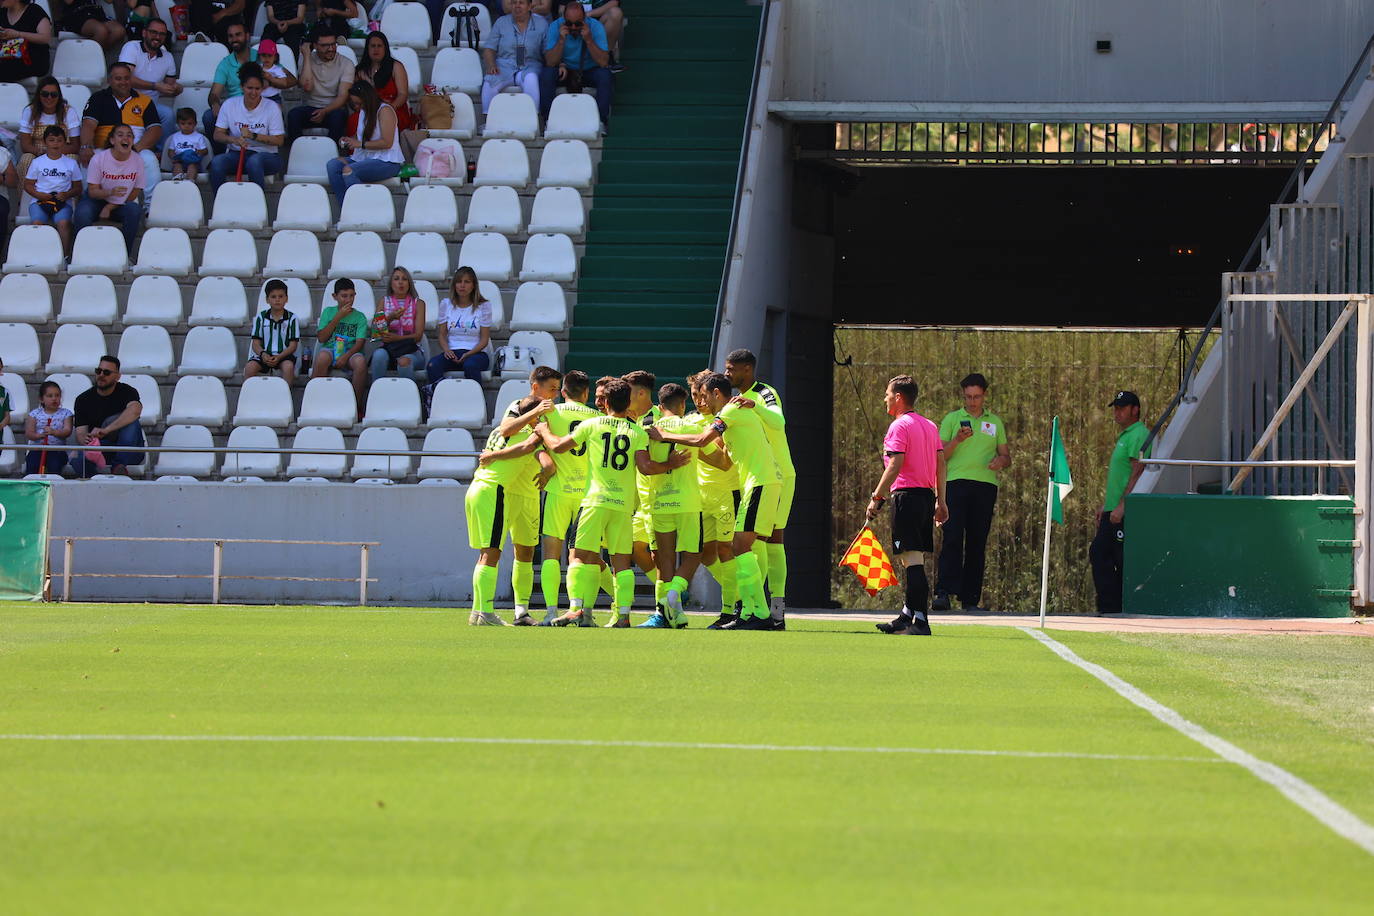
(976, 449)
(1123, 471)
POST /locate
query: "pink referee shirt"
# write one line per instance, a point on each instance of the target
(918, 439)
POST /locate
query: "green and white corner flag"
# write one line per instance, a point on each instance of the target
(1061, 481)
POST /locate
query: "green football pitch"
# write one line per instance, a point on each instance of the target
(170, 759)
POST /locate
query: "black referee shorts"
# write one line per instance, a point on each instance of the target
(913, 519)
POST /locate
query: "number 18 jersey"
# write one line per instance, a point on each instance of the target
(611, 444)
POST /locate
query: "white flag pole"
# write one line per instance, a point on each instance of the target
(1045, 559)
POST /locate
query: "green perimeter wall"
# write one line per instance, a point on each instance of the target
(1239, 556)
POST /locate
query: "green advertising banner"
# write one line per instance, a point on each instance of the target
(25, 518)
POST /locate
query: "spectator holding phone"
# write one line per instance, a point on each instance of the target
(576, 54)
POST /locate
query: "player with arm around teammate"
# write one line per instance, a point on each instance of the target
(719, 503)
(563, 497)
(522, 495)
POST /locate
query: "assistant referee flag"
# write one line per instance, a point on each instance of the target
(1061, 481)
(870, 563)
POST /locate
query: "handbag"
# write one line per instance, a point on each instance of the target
(436, 111)
(15, 49)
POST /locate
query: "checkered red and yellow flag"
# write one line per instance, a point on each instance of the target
(870, 563)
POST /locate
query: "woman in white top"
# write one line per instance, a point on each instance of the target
(47, 107)
(464, 330)
(376, 158)
(251, 126)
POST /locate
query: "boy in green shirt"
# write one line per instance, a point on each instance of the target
(1123, 470)
(343, 332)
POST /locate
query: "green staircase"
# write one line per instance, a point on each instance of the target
(660, 221)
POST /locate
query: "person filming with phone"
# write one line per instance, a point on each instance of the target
(576, 54)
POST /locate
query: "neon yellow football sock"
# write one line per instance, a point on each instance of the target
(550, 578)
(483, 588)
(624, 591)
(724, 572)
(607, 583)
(760, 551)
(660, 591)
(751, 585)
(777, 570)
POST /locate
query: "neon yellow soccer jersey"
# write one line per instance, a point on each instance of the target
(769, 405)
(611, 443)
(678, 490)
(571, 479)
(748, 445)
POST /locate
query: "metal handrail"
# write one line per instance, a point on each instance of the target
(739, 179)
(1294, 179)
(1192, 464)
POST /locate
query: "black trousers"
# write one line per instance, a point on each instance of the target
(1106, 553)
(963, 553)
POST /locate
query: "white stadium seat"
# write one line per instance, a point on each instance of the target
(539, 306)
(448, 439)
(430, 208)
(259, 464)
(175, 479)
(13, 99)
(307, 160)
(487, 253)
(238, 204)
(176, 205)
(88, 299)
(209, 351)
(155, 300)
(425, 255)
(34, 249)
(495, 208)
(298, 300)
(454, 69)
(367, 207)
(189, 464)
(99, 250)
(458, 402)
(510, 391)
(496, 299)
(503, 162)
(229, 253)
(312, 481)
(19, 348)
(294, 253)
(392, 402)
(425, 289)
(196, 98)
(199, 400)
(574, 116)
(407, 25)
(540, 343)
(76, 96)
(303, 206)
(25, 298)
(149, 394)
(513, 116)
(410, 60)
(265, 400)
(165, 251)
(199, 61)
(565, 164)
(73, 385)
(328, 402)
(549, 256)
(19, 396)
(147, 349)
(447, 22)
(558, 210)
(358, 254)
(79, 60)
(305, 464)
(464, 114)
(76, 348)
(392, 467)
(219, 301)
(285, 56)
(9, 459)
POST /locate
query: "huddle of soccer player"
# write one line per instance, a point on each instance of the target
(702, 478)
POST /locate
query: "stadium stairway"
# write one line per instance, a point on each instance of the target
(660, 222)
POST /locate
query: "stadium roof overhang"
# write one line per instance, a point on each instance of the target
(1036, 112)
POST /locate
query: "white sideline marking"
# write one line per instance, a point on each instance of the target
(574, 742)
(1303, 794)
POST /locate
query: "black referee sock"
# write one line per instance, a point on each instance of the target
(917, 591)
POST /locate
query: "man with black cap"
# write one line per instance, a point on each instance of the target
(1123, 470)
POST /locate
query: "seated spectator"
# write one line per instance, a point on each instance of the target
(332, 17)
(612, 19)
(5, 407)
(372, 160)
(343, 332)
(9, 178)
(114, 187)
(512, 53)
(226, 81)
(120, 104)
(108, 414)
(47, 424)
(48, 107)
(276, 337)
(399, 327)
(251, 126)
(88, 19)
(26, 40)
(325, 78)
(154, 70)
(54, 182)
(277, 76)
(187, 148)
(464, 330)
(388, 77)
(576, 54)
(285, 23)
(216, 17)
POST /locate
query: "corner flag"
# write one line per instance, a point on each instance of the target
(870, 563)
(1061, 481)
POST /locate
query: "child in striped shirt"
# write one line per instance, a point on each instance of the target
(276, 335)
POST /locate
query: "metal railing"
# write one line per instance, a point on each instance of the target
(1192, 464)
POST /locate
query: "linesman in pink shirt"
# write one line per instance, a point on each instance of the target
(914, 481)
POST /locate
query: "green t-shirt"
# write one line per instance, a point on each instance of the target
(611, 445)
(571, 479)
(350, 328)
(716, 485)
(969, 460)
(1119, 468)
(678, 490)
(4, 401)
(769, 404)
(507, 470)
(748, 444)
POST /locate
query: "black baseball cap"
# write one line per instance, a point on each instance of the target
(1125, 399)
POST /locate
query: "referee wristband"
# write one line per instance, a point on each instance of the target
(878, 499)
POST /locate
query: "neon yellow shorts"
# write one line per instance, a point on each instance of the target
(484, 506)
(643, 532)
(758, 507)
(718, 517)
(686, 525)
(522, 515)
(560, 511)
(599, 526)
(789, 487)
